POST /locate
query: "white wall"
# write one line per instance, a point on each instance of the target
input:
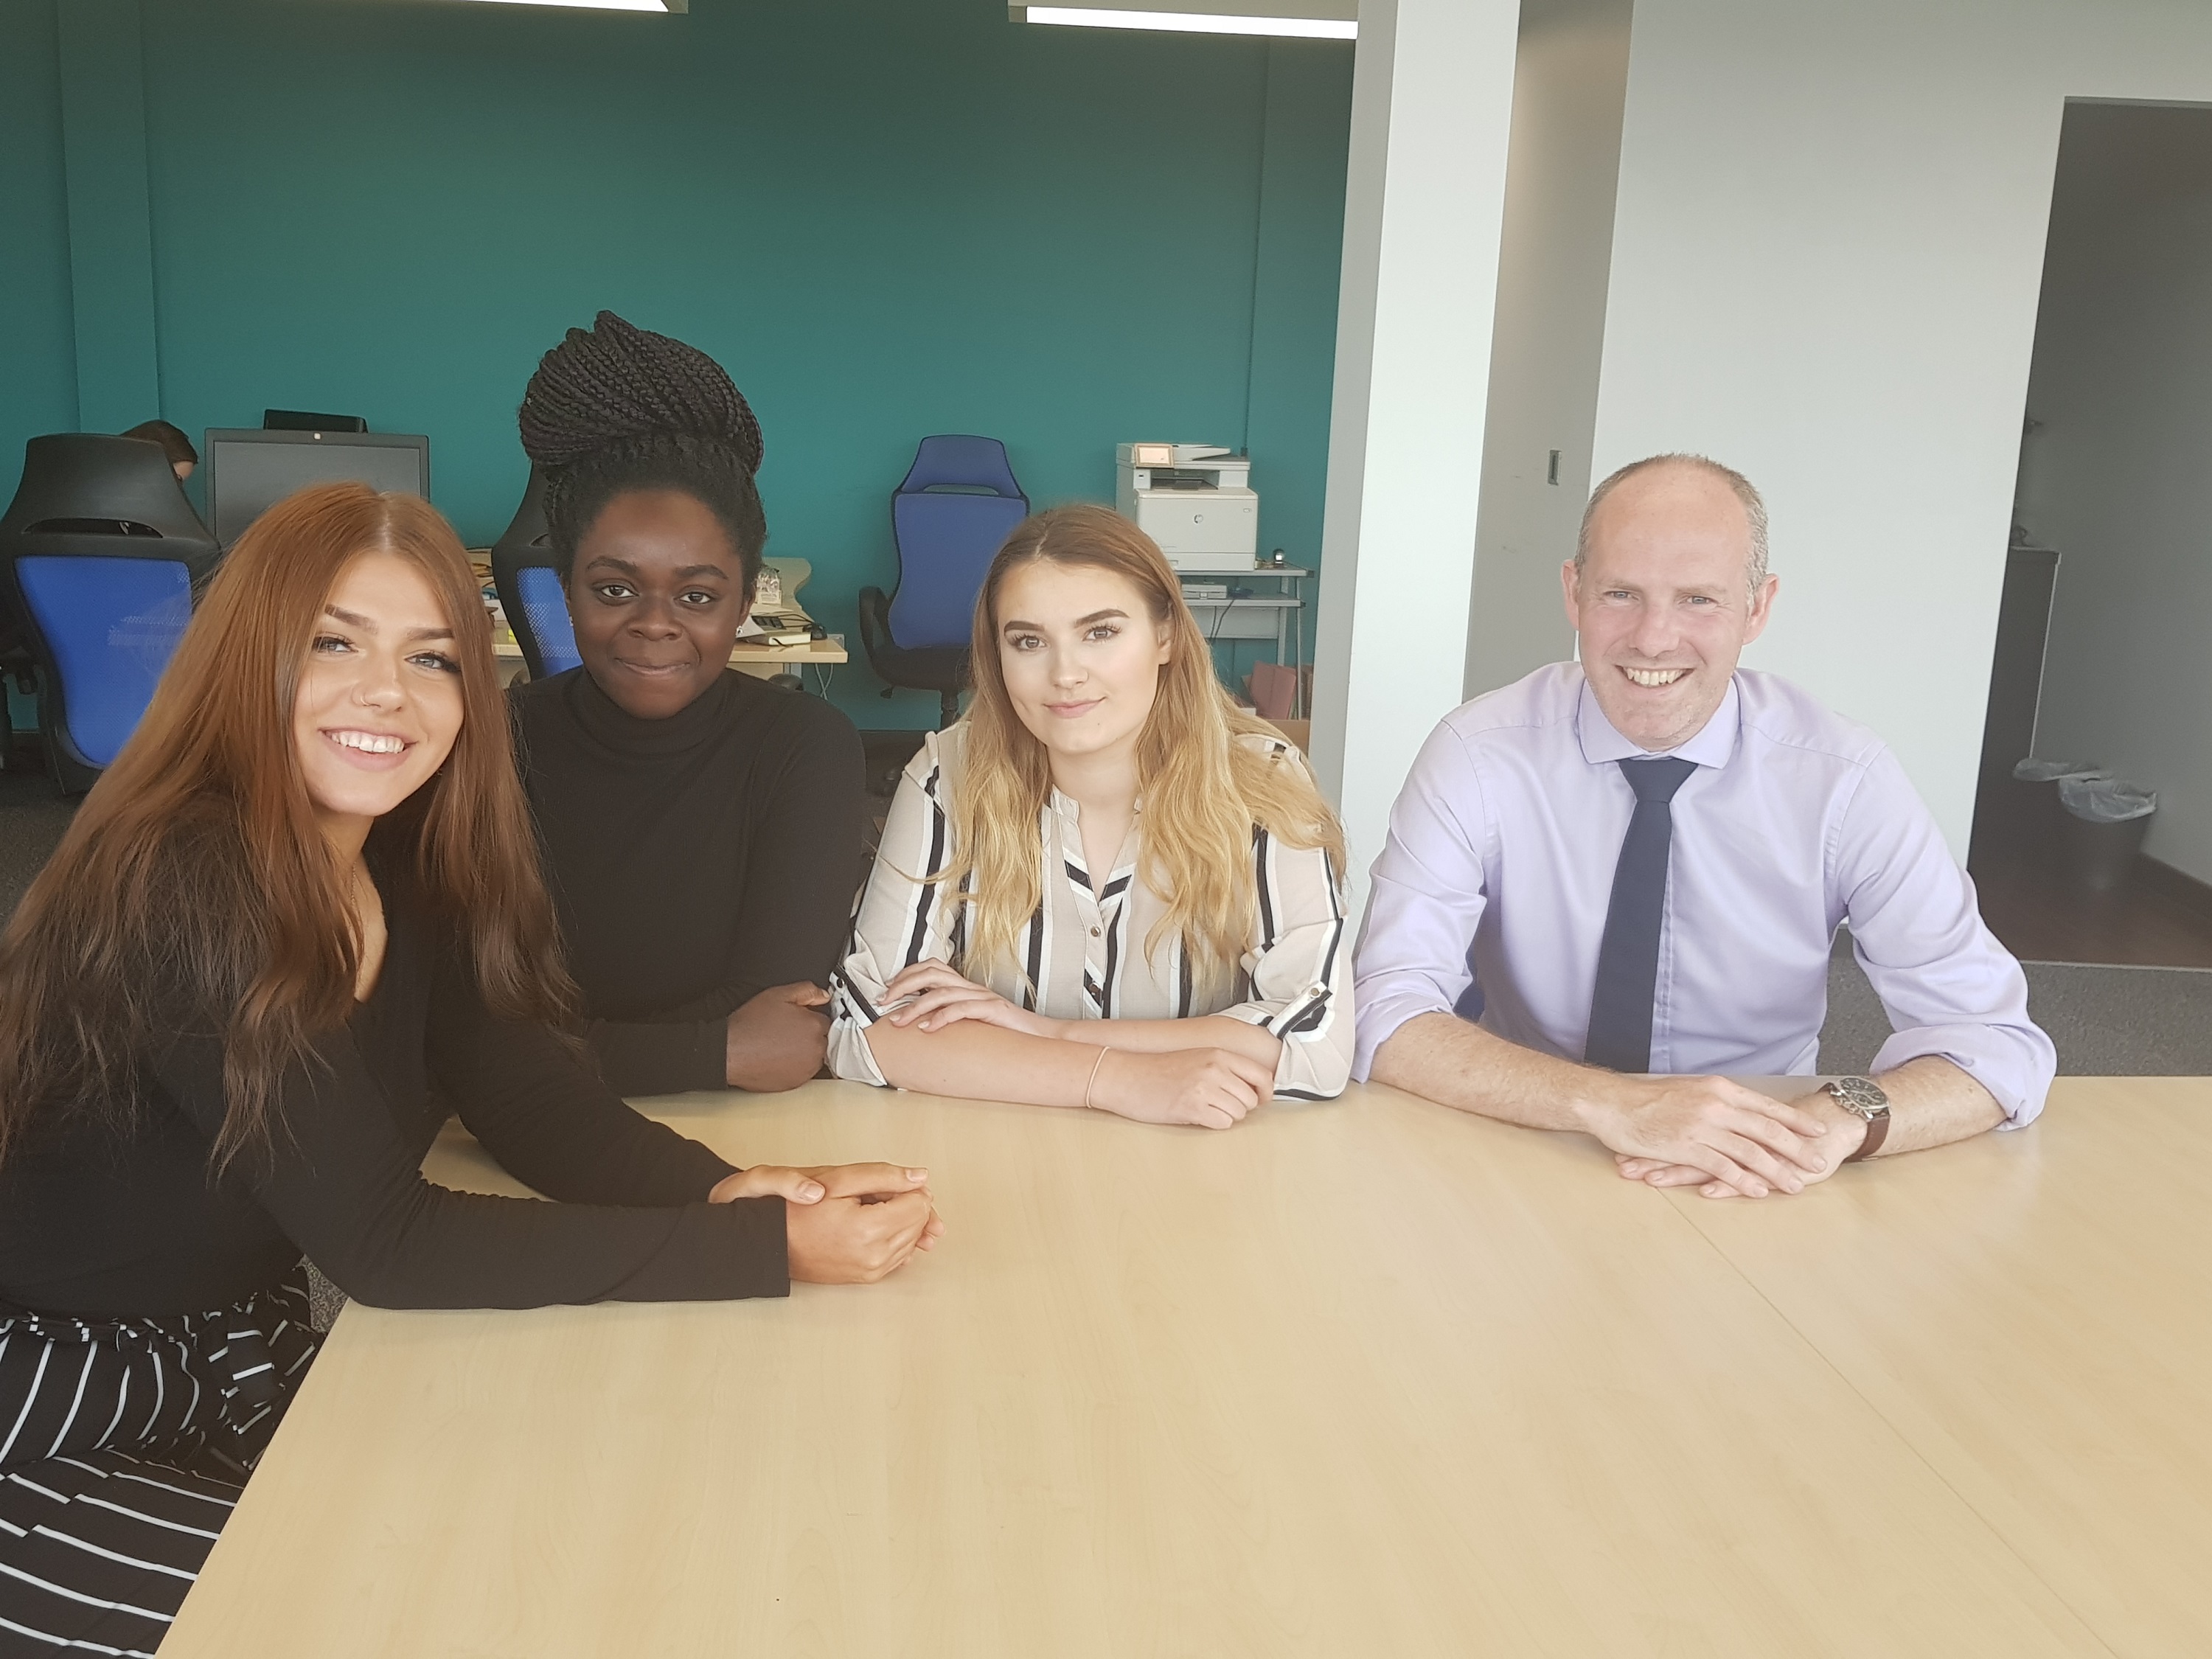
(2118, 474)
(1826, 260)
(1568, 89)
(1430, 108)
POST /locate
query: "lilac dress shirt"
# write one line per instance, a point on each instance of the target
(1507, 832)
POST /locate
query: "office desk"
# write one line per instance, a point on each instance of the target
(1360, 1378)
(1259, 616)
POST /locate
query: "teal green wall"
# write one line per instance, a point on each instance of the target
(104, 159)
(885, 217)
(38, 351)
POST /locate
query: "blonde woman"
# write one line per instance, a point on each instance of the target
(1105, 886)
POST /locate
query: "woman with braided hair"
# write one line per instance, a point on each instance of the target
(701, 829)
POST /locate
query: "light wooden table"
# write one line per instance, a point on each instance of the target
(1360, 1378)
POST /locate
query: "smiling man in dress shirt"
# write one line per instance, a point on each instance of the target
(1636, 864)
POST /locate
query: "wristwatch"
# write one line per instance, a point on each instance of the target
(1864, 1096)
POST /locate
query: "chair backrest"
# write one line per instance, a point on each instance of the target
(545, 610)
(955, 506)
(87, 484)
(106, 627)
(99, 553)
(529, 586)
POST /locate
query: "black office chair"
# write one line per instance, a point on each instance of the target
(100, 555)
(16, 663)
(949, 516)
(530, 590)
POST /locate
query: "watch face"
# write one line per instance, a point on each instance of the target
(1860, 1094)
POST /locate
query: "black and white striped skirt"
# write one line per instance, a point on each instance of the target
(123, 1444)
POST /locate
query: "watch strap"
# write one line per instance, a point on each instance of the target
(1876, 1119)
(1877, 1132)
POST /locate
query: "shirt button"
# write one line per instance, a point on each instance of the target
(1095, 933)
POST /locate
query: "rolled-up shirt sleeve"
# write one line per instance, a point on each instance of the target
(1948, 986)
(902, 917)
(1299, 977)
(1425, 898)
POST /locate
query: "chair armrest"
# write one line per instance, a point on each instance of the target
(876, 622)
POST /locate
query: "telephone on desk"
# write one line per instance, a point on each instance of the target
(778, 628)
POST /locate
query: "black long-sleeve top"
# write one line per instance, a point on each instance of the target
(695, 861)
(98, 1220)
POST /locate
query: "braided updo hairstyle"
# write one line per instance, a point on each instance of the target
(614, 409)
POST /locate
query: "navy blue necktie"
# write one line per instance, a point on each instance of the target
(1628, 957)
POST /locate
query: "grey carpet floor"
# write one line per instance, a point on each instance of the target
(2107, 1022)
(34, 817)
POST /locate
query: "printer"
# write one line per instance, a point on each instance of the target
(1195, 500)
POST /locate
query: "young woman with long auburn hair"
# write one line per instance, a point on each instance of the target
(301, 913)
(1106, 885)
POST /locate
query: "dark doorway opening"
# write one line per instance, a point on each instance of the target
(2108, 587)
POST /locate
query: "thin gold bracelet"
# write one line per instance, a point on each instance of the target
(1093, 1080)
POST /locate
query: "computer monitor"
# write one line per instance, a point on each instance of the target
(249, 470)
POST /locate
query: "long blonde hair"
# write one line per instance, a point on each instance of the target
(1205, 794)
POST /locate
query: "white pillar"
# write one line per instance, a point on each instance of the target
(1432, 107)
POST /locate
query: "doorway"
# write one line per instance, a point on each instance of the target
(2101, 652)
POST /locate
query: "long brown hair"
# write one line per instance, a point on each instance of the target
(195, 882)
(1203, 791)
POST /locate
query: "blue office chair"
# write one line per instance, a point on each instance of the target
(100, 556)
(957, 506)
(530, 589)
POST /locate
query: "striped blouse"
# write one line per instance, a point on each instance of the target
(1083, 954)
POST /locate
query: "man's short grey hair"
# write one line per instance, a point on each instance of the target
(1754, 509)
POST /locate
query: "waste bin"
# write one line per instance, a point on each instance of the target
(2034, 827)
(2103, 824)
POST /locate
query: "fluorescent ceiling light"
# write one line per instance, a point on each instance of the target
(606, 5)
(1189, 22)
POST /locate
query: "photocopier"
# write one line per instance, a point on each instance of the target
(1195, 500)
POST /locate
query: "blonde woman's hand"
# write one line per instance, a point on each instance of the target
(930, 996)
(1211, 1088)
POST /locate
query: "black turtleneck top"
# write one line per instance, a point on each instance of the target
(695, 861)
